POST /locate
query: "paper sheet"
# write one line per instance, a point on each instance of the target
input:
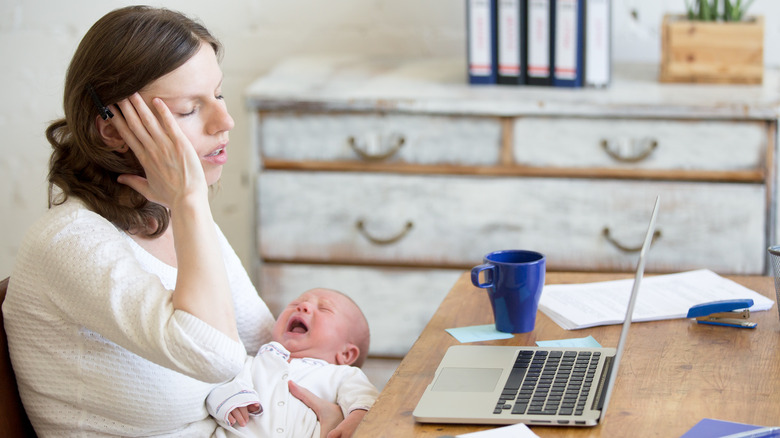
(587, 342)
(576, 306)
(513, 431)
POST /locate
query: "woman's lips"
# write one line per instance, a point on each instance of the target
(218, 156)
(216, 152)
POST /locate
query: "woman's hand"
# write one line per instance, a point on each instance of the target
(347, 428)
(173, 169)
(328, 413)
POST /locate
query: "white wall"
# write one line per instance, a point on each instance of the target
(38, 37)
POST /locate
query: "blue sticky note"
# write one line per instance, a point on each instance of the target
(588, 342)
(476, 333)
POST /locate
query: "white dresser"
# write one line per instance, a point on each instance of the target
(387, 179)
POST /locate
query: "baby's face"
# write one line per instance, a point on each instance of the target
(317, 325)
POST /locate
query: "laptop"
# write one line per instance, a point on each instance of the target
(483, 384)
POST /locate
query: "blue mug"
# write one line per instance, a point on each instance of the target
(514, 280)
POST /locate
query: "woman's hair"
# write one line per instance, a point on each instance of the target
(120, 54)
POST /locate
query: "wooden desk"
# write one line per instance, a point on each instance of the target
(708, 372)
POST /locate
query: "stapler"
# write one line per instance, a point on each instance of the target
(730, 313)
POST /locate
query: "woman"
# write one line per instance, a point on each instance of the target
(127, 304)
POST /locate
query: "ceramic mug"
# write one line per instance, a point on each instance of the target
(514, 280)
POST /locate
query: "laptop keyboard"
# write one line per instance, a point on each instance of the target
(549, 383)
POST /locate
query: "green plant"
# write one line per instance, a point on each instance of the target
(708, 10)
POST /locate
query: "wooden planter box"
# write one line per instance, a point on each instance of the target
(714, 52)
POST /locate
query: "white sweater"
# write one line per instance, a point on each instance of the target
(96, 345)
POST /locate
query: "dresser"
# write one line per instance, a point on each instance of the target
(387, 178)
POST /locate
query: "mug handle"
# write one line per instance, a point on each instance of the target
(489, 279)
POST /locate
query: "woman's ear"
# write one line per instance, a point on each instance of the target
(110, 135)
(348, 355)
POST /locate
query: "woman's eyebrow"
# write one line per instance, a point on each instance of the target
(191, 96)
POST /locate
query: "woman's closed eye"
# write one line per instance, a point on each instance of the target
(188, 113)
(195, 108)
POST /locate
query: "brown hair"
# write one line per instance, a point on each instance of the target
(120, 54)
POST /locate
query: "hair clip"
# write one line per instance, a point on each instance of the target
(105, 113)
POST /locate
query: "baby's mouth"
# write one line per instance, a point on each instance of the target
(297, 325)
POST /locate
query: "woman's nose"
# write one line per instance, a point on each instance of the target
(220, 119)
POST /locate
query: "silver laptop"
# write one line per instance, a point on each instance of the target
(480, 384)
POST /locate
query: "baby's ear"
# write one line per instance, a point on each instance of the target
(348, 355)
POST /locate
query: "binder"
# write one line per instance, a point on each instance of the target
(711, 428)
(481, 31)
(598, 43)
(569, 39)
(511, 40)
(540, 51)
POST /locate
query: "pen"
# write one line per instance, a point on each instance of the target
(762, 432)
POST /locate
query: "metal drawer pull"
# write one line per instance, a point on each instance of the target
(625, 248)
(379, 241)
(367, 150)
(629, 150)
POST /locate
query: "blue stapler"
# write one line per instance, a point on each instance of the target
(730, 313)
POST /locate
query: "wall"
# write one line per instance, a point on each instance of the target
(38, 37)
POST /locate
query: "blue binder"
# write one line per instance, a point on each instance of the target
(569, 43)
(481, 41)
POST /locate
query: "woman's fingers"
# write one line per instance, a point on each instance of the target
(137, 183)
(170, 130)
(168, 122)
(143, 122)
(119, 122)
(328, 413)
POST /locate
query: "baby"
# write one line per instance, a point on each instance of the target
(316, 341)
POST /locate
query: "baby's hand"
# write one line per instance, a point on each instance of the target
(241, 415)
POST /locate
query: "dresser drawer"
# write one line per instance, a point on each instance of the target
(397, 302)
(448, 221)
(640, 144)
(392, 138)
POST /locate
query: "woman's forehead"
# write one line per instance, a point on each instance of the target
(199, 75)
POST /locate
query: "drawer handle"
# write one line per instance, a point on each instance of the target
(387, 241)
(641, 148)
(363, 149)
(625, 248)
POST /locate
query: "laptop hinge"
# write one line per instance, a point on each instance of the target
(601, 391)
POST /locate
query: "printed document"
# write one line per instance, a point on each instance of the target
(576, 306)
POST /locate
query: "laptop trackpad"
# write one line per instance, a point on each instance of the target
(467, 379)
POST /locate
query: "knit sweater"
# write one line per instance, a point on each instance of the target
(96, 344)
